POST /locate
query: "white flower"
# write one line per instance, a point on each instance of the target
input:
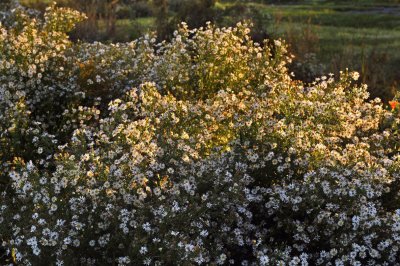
(355, 75)
(264, 260)
(143, 250)
(36, 251)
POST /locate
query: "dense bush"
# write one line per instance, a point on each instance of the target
(208, 152)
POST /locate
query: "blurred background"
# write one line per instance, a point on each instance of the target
(324, 36)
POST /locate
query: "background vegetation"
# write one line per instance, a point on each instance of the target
(325, 36)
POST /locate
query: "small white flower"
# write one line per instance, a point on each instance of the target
(264, 260)
(143, 250)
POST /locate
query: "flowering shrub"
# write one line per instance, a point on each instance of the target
(202, 150)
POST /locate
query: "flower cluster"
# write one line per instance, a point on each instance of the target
(202, 150)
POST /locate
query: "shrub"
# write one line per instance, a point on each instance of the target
(208, 152)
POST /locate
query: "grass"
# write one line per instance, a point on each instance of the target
(127, 29)
(364, 37)
(340, 17)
